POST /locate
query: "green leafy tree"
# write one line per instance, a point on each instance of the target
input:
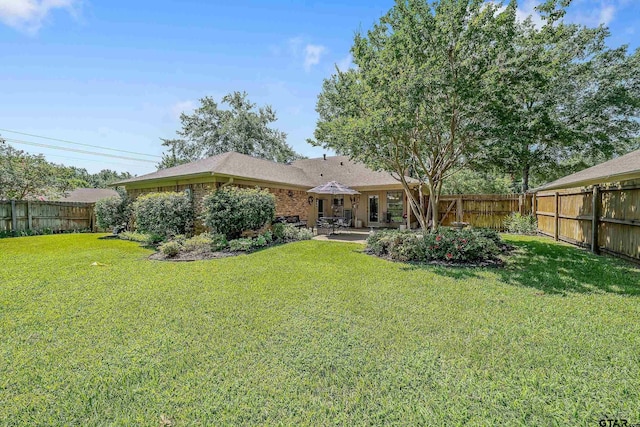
(26, 176)
(242, 127)
(469, 181)
(415, 101)
(100, 179)
(564, 101)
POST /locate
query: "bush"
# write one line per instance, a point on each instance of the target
(218, 242)
(113, 211)
(283, 233)
(232, 210)
(164, 214)
(241, 245)
(147, 239)
(259, 242)
(201, 244)
(461, 246)
(445, 245)
(521, 224)
(171, 248)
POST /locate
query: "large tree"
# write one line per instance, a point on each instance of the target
(565, 100)
(242, 127)
(415, 101)
(26, 176)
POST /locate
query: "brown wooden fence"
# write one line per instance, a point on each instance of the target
(603, 219)
(482, 210)
(20, 215)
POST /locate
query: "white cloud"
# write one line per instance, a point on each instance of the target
(182, 107)
(29, 15)
(528, 8)
(345, 63)
(312, 54)
(585, 12)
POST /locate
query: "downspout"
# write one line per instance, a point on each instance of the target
(227, 183)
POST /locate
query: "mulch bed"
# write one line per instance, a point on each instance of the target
(192, 256)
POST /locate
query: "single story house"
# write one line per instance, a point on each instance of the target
(381, 202)
(598, 207)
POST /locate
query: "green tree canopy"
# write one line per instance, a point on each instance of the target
(415, 102)
(564, 100)
(27, 176)
(242, 127)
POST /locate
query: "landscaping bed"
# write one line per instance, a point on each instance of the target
(450, 247)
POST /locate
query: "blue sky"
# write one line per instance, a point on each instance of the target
(117, 73)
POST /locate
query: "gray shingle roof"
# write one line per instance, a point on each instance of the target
(89, 195)
(621, 168)
(303, 173)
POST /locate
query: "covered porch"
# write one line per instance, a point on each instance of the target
(372, 208)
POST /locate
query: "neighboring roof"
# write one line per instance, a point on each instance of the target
(302, 173)
(619, 169)
(89, 195)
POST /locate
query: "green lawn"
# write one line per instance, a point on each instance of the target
(313, 333)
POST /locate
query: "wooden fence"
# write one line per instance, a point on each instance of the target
(22, 215)
(604, 219)
(482, 210)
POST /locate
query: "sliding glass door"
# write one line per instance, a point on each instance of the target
(374, 207)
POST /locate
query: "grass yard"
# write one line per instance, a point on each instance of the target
(313, 333)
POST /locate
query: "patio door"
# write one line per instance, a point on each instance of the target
(374, 206)
(320, 208)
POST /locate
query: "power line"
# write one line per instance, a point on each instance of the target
(81, 144)
(109, 162)
(75, 150)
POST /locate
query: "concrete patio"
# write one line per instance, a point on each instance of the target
(351, 236)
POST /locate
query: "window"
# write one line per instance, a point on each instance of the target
(395, 206)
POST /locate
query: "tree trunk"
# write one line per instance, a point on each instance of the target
(525, 179)
(434, 200)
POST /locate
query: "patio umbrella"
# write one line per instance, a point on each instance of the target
(332, 187)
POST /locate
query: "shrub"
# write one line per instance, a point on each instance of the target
(488, 233)
(201, 243)
(147, 239)
(290, 233)
(462, 246)
(259, 242)
(113, 211)
(278, 230)
(382, 242)
(171, 248)
(521, 224)
(232, 210)
(218, 242)
(164, 214)
(241, 245)
(445, 245)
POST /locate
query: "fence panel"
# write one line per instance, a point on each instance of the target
(21, 215)
(482, 210)
(603, 218)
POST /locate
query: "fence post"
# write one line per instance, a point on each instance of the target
(556, 201)
(459, 211)
(520, 204)
(14, 217)
(595, 210)
(534, 208)
(29, 215)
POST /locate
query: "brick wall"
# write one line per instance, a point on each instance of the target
(288, 202)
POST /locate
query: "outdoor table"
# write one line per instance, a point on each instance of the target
(332, 221)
